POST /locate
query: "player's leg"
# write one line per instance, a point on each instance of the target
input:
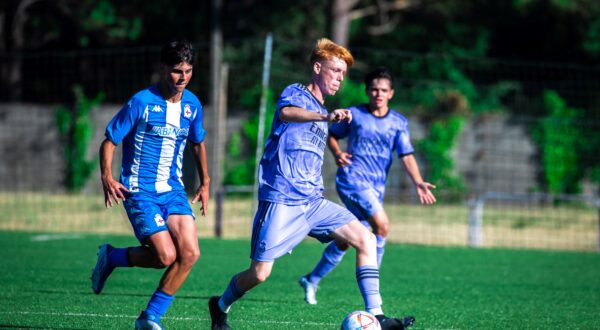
(367, 206)
(181, 250)
(185, 240)
(361, 203)
(332, 256)
(380, 224)
(161, 253)
(146, 220)
(257, 273)
(367, 272)
(277, 229)
(182, 257)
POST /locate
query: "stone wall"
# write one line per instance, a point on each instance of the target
(493, 153)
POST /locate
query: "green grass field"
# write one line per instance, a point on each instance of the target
(45, 284)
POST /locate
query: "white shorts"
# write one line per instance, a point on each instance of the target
(278, 228)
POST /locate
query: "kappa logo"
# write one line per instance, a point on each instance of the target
(157, 108)
(186, 111)
(159, 220)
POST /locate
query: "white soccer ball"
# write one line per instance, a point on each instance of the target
(360, 320)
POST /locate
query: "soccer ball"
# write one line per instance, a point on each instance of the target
(360, 320)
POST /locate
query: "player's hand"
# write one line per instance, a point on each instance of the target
(202, 195)
(424, 192)
(113, 190)
(339, 115)
(343, 159)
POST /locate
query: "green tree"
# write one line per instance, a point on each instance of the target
(76, 128)
(558, 139)
(240, 165)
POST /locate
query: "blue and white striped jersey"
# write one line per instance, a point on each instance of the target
(371, 142)
(290, 169)
(154, 134)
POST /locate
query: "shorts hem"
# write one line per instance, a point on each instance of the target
(144, 239)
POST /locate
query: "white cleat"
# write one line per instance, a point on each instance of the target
(310, 290)
(147, 322)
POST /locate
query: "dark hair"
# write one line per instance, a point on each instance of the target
(176, 52)
(379, 73)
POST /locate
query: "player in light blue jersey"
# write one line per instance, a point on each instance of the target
(291, 204)
(374, 135)
(153, 128)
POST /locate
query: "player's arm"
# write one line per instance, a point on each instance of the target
(342, 158)
(199, 151)
(423, 188)
(113, 190)
(299, 115)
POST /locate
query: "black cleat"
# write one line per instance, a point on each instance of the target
(218, 318)
(390, 323)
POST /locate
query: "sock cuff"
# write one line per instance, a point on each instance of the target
(127, 258)
(160, 293)
(367, 271)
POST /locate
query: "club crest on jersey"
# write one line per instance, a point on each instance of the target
(186, 111)
(159, 220)
(156, 108)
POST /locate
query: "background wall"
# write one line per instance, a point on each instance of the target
(494, 153)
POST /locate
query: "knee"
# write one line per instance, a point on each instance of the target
(262, 275)
(166, 258)
(189, 257)
(367, 241)
(382, 229)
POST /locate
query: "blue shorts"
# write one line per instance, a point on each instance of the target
(148, 213)
(278, 228)
(363, 204)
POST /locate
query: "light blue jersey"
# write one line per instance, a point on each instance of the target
(290, 169)
(154, 134)
(371, 142)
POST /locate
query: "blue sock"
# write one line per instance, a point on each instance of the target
(380, 249)
(331, 257)
(368, 283)
(159, 303)
(232, 293)
(118, 257)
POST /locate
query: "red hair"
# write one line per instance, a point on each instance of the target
(326, 49)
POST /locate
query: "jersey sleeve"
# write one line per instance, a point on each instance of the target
(197, 131)
(123, 122)
(290, 97)
(291, 101)
(403, 145)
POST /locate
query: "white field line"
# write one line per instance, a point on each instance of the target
(166, 318)
(185, 319)
(54, 237)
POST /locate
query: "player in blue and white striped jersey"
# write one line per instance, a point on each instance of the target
(291, 204)
(153, 128)
(374, 135)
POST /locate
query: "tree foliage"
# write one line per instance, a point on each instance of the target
(75, 126)
(241, 165)
(559, 140)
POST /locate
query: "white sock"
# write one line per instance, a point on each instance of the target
(376, 311)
